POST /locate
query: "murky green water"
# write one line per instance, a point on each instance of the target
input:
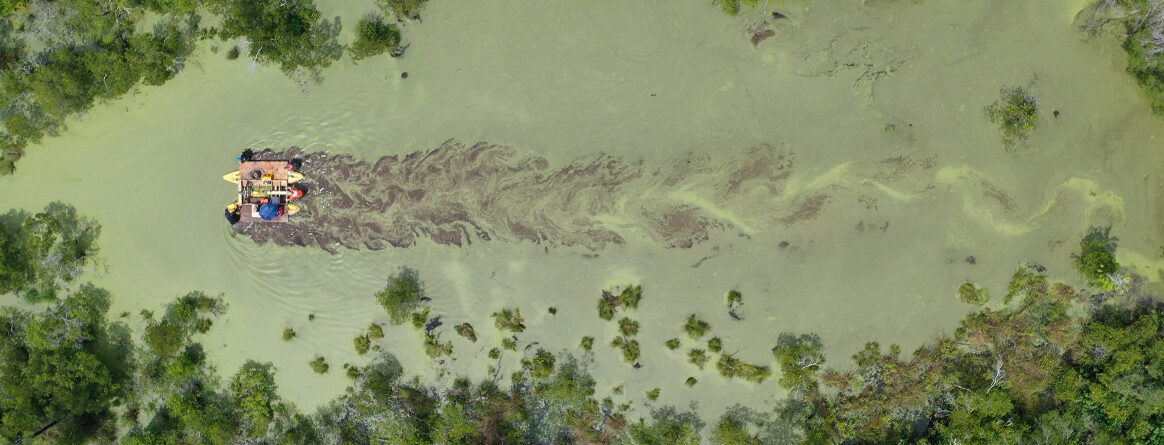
(656, 82)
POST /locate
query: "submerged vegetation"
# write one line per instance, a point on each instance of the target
(733, 6)
(1016, 114)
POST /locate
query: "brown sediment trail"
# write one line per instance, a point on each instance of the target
(457, 194)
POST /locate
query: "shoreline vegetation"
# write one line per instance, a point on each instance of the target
(1141, 28)
(1051, 362)
(88, 52)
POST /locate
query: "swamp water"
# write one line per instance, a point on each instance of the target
(876, 108)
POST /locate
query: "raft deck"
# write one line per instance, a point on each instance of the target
(271, 176)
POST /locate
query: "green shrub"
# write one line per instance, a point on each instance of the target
(319, 365)
(630, 351)
(729, 366)
(402, 9)
(1016, 114)
(735, 298)
(605, 309)
(691, 381)
(715, 344)
(495, 353)
(509, 343)
(420, 318)
(971, 294)
(587, 343)
(654, 394)
(375, 331)
(434, 348)
(630, 297)
(696, 327)
(732, 7)
(373, 37)
(362, 344)
(698, 357)
(403, 294)
(288, 334)
(628, 327)
(673, 344)
(1096, 258)
(509, 320)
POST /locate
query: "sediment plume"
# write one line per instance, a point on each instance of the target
(458, 194)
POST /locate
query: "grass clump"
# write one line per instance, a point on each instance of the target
(1096, 258)
(362, 344)
(288, 334)
(695, 327)
(319, 365)
(509, 343)
(375, 331)
(729, 366)
(653, 394)
(698, 357)
(628, 327)
(605, 309)
(672, 344)
(466, 330)
(541, 365)
(402, 296)
(629, 347)
(373, 37)
(353, 372)
(587, 343)
(734, 298)
(420, 318)
(509, 320)
(732, 7)
(691, 381)
(972, 294)
(715, 344)
(495, 353)
(233, 53)
(630, 297)
(434, 348)
(402, 9)
(1016, 114)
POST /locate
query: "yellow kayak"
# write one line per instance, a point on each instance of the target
(292, 177)
(291, 208)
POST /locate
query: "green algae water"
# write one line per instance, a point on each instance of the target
(878, 105)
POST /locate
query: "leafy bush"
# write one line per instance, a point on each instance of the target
(732, 7)
(587, 343)
(698, 357)
(362, 344)
(1096, 258)
(287, 33)
(319, 365)
(375, 331)
(630, 297)
(1016, 114)
(402, 9)
(715, 344)
(695, 327)
(373, 37)
(403, 294)
(672, 344)
(628, 327)
(972, 294)
(288, 334)
(509, 320)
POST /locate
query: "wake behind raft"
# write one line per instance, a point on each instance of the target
(264, 190)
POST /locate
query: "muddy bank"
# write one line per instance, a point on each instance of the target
(457, 194)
